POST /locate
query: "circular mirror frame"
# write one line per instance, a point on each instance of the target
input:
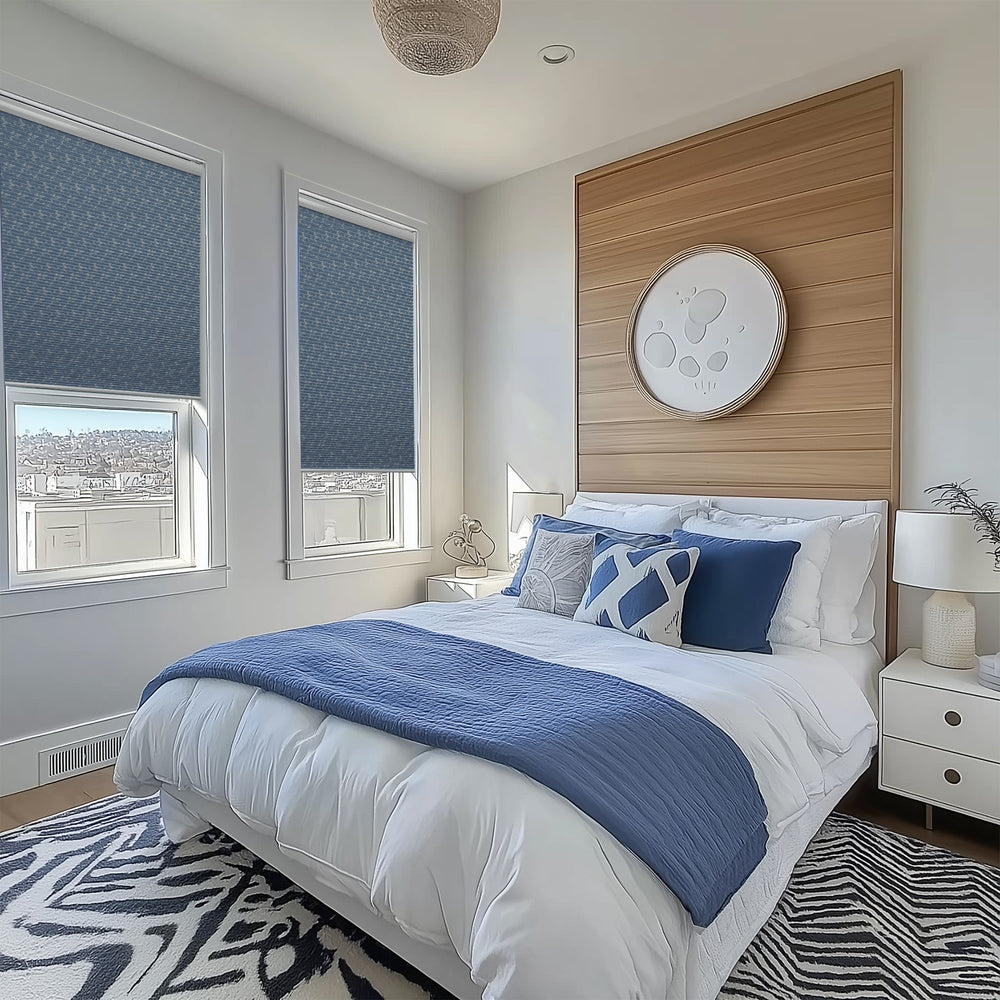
(765, 376)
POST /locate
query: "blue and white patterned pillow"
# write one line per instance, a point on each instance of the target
(638, 591)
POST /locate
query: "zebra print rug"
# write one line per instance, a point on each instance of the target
(96, 903)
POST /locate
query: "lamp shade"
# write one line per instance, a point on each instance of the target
(941, 551)
(524, 506)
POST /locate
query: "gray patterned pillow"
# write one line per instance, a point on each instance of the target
(557, 573)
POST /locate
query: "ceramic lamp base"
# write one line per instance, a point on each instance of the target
(949, 630)
(471, 572)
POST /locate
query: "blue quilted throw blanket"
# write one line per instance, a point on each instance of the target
(668, 784)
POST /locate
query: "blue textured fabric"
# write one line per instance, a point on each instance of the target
(667, 783)
(734, 591)
(100, 255)
(356, 328)
(546, 522)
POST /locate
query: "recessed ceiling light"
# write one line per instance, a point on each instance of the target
(555, 55)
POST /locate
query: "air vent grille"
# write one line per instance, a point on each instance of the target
(76, 758)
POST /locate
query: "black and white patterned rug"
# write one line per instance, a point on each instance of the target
(96, 903)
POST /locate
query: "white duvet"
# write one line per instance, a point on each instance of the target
(536, 898)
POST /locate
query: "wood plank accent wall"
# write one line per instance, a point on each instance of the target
(813, 189)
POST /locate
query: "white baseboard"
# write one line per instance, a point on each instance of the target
(19, 758)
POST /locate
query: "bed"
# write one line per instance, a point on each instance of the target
(486, 880)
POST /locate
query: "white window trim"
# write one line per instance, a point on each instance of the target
(52, 108)
(184, 460)
(396, 489)
(300, 562)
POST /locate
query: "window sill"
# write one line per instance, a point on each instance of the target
(354, 562)
(88, 593)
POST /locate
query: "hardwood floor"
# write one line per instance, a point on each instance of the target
(961, 834)
(47, 800)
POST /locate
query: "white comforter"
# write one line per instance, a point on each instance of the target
(536, 898)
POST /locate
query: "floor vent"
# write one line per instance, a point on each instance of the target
(76, 758)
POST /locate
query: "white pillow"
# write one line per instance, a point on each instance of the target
(843, 616)
(644, 518)
(796, 619)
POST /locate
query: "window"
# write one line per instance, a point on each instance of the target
(99, 487)
(112, 379)
(344, 508)
(353, 350)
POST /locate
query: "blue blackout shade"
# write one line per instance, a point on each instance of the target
(356, 329)
(100, 258)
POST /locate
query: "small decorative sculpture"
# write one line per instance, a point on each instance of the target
(461, 546)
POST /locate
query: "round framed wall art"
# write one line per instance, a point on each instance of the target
(707, 332)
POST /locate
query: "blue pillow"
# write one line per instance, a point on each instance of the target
(734, 591)
(546, 522)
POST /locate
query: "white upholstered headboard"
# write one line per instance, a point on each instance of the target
(808, 509)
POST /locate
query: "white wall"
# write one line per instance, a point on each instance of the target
(519, 353)
(64, 668)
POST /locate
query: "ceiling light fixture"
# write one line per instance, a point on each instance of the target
(556, 55)
(437, 37)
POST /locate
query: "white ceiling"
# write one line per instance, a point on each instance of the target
(640, 64)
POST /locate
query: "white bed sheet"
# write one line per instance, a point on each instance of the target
(532, 895)
(861, 662)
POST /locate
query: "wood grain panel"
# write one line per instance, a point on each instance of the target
(847, 430)
(790, 393)
(813, 190)
(865, 156)
(856, 207)
(840, 302)
(834, 347)
(859, 256)
(678, 486)
(860, 114)
(823, 471)
(610, 301)
(844, 345)
(850, 344)
(609, 371)
(607, 337)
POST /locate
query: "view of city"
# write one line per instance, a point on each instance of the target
(78, 453)
(341, 508)
(96, 486)
(325, 483)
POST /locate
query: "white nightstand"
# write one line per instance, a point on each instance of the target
(456, 588)
(939, 738)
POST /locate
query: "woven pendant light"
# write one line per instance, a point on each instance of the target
(437, 37)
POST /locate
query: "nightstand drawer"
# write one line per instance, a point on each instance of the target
(964, 783)
(962, 723)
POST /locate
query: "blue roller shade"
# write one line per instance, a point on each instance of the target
(100, 253)
(355, 346)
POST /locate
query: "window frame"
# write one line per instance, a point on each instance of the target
(394, 512)
(206, 426)
(409, 492)
(184, 522)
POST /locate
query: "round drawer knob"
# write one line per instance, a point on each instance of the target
(952, 776)
(953, 718)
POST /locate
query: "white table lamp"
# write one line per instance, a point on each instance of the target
(524, 507)
(941, 552)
